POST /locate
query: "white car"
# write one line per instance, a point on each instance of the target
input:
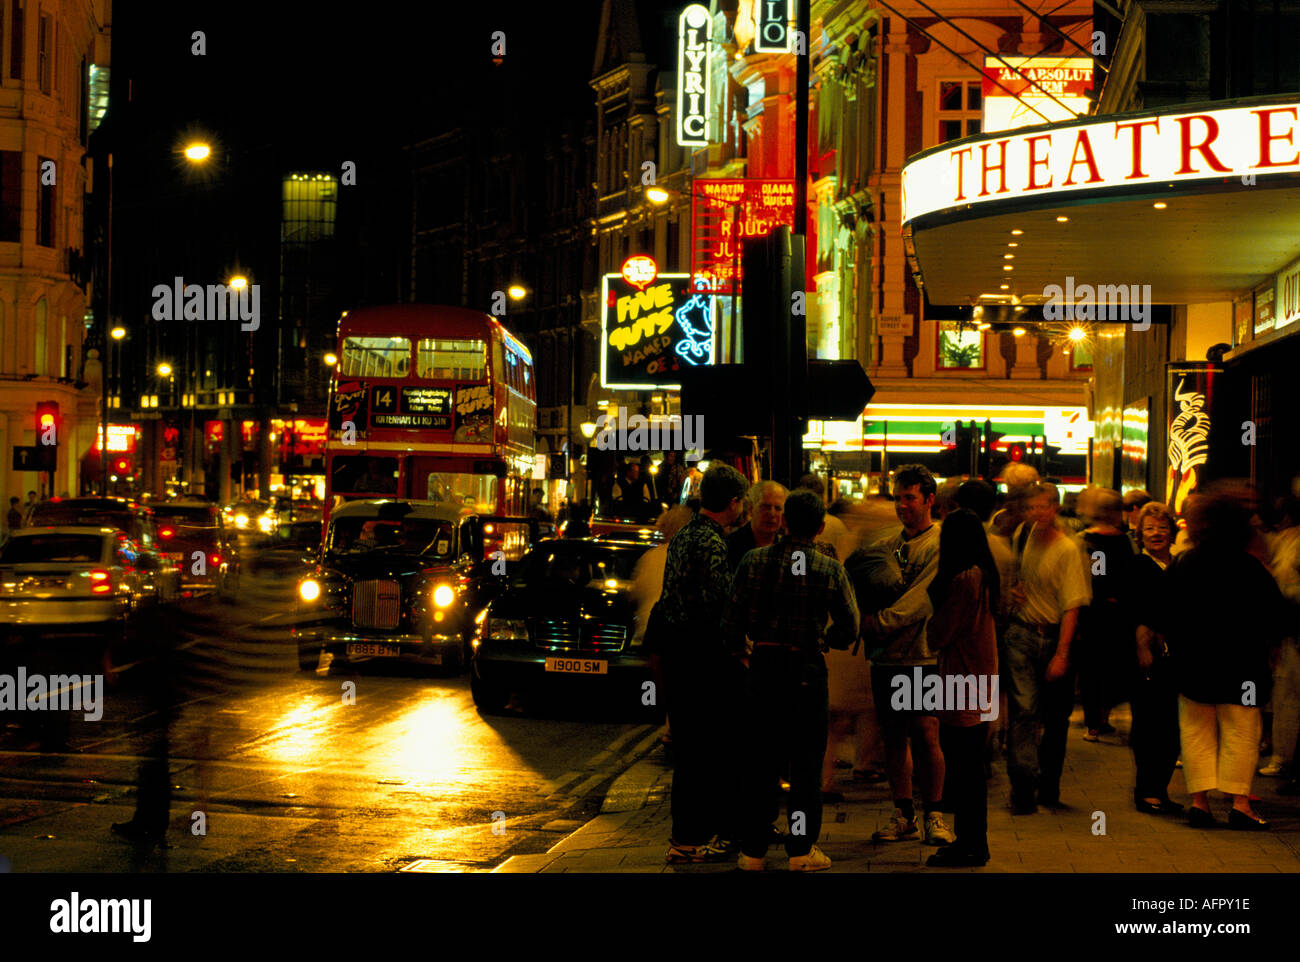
(68, 579)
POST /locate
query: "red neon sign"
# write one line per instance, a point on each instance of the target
(640, 271)
(726, 213)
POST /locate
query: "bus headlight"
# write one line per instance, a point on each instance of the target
(443, 596)
(309, 590)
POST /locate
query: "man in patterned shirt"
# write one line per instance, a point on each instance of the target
(780, 603)
(702, 681)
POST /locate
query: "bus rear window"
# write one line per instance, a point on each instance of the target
(462, 360)
(376, 357)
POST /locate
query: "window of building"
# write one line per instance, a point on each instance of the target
(376, 357)
(11, 196)
(46, 204)
(16, 41)
(42, 337)
(960, 109)
(960, 346)
(44, 40)
(449, 359)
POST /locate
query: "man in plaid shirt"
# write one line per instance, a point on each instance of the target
(776, 622)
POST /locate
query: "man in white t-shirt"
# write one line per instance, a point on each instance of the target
(1035, 651)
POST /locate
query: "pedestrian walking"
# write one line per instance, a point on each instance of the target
(14, 520)
(1220, 657)
(702, 680)
(776, 623)
(1154, 735)
(965, 596)
(1105, 650)
(895, 637)
(1286, 674)
(1035, 657)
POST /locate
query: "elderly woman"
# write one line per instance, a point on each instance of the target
(1220, 612)
(1154, 736)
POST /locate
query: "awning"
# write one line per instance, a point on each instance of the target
(1016, 216)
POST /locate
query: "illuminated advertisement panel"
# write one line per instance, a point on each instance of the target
(1125, 151)
(649, 333)
(694, 31)
(1190, 393)
(772, 26)
(726, 212)
(1025, 91)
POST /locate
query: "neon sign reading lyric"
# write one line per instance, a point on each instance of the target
(694, 32)
(1143, 149)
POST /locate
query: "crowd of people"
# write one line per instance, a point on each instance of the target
(934, 627)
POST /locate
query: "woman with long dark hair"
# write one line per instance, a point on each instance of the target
(965, 598)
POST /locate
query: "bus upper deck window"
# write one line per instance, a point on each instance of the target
(464, 359)
(376, 357)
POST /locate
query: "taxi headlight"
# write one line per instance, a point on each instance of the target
(241, 521)
(443, 596)
(266, 523)
(309, 590)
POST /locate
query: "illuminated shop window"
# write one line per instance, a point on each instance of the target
(960, 346)
(960, 109)
(1081, 357)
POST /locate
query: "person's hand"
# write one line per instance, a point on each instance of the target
(1057, 667)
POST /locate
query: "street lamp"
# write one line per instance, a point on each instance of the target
(197, 152)
(517, 292)
(238, 282)
(164, 369)
(331, 360)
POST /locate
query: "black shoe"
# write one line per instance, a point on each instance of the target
(1242, 822)
(1163, 807)
(954, 857)
(1051, 801)
(133, 832)
(1106, 729)
(1200, 818)
(1023, 805)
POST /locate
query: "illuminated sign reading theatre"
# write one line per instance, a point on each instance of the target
(1140, 149)
(694, 31)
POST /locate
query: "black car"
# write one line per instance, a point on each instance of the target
(568, 614)
(401, 580)
(293, 551)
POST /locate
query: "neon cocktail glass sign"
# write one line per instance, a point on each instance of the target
(694, 32)
(1138, 149)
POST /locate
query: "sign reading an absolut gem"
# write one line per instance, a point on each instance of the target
(772, 29)
(694, 31)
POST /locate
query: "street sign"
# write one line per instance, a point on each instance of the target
(837, 390)
(37, 457)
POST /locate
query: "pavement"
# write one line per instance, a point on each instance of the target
(1098, 832)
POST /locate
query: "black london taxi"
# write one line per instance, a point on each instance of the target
(402, 580)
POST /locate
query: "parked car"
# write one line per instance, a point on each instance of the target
(402, 580)
(160, 576)
(568, 614)
(193, 535)
(69, 579)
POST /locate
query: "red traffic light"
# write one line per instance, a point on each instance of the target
(47, 422)
(1016, 452)
(122, 466)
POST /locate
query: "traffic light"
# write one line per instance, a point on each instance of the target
(958, 439)
(1052, 465)
(989, 461)
(47, 423)
(122, 466)
(1016, 453)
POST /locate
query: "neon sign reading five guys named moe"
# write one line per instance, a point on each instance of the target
(694, 32)
(652, 328)
(1154, 149)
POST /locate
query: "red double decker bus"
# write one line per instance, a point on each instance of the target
(433, 404)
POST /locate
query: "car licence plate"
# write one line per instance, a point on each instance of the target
(373, 649)
(578, 666)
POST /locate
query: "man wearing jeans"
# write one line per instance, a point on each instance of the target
(782, 598)
(1035, 655)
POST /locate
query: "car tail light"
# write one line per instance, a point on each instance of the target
(100, 582)
(166, 533)
(215, 558)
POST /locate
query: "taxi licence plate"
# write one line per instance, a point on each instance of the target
(578, 666)
(374, 649)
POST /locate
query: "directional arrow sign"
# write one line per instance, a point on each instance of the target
(837, 390)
